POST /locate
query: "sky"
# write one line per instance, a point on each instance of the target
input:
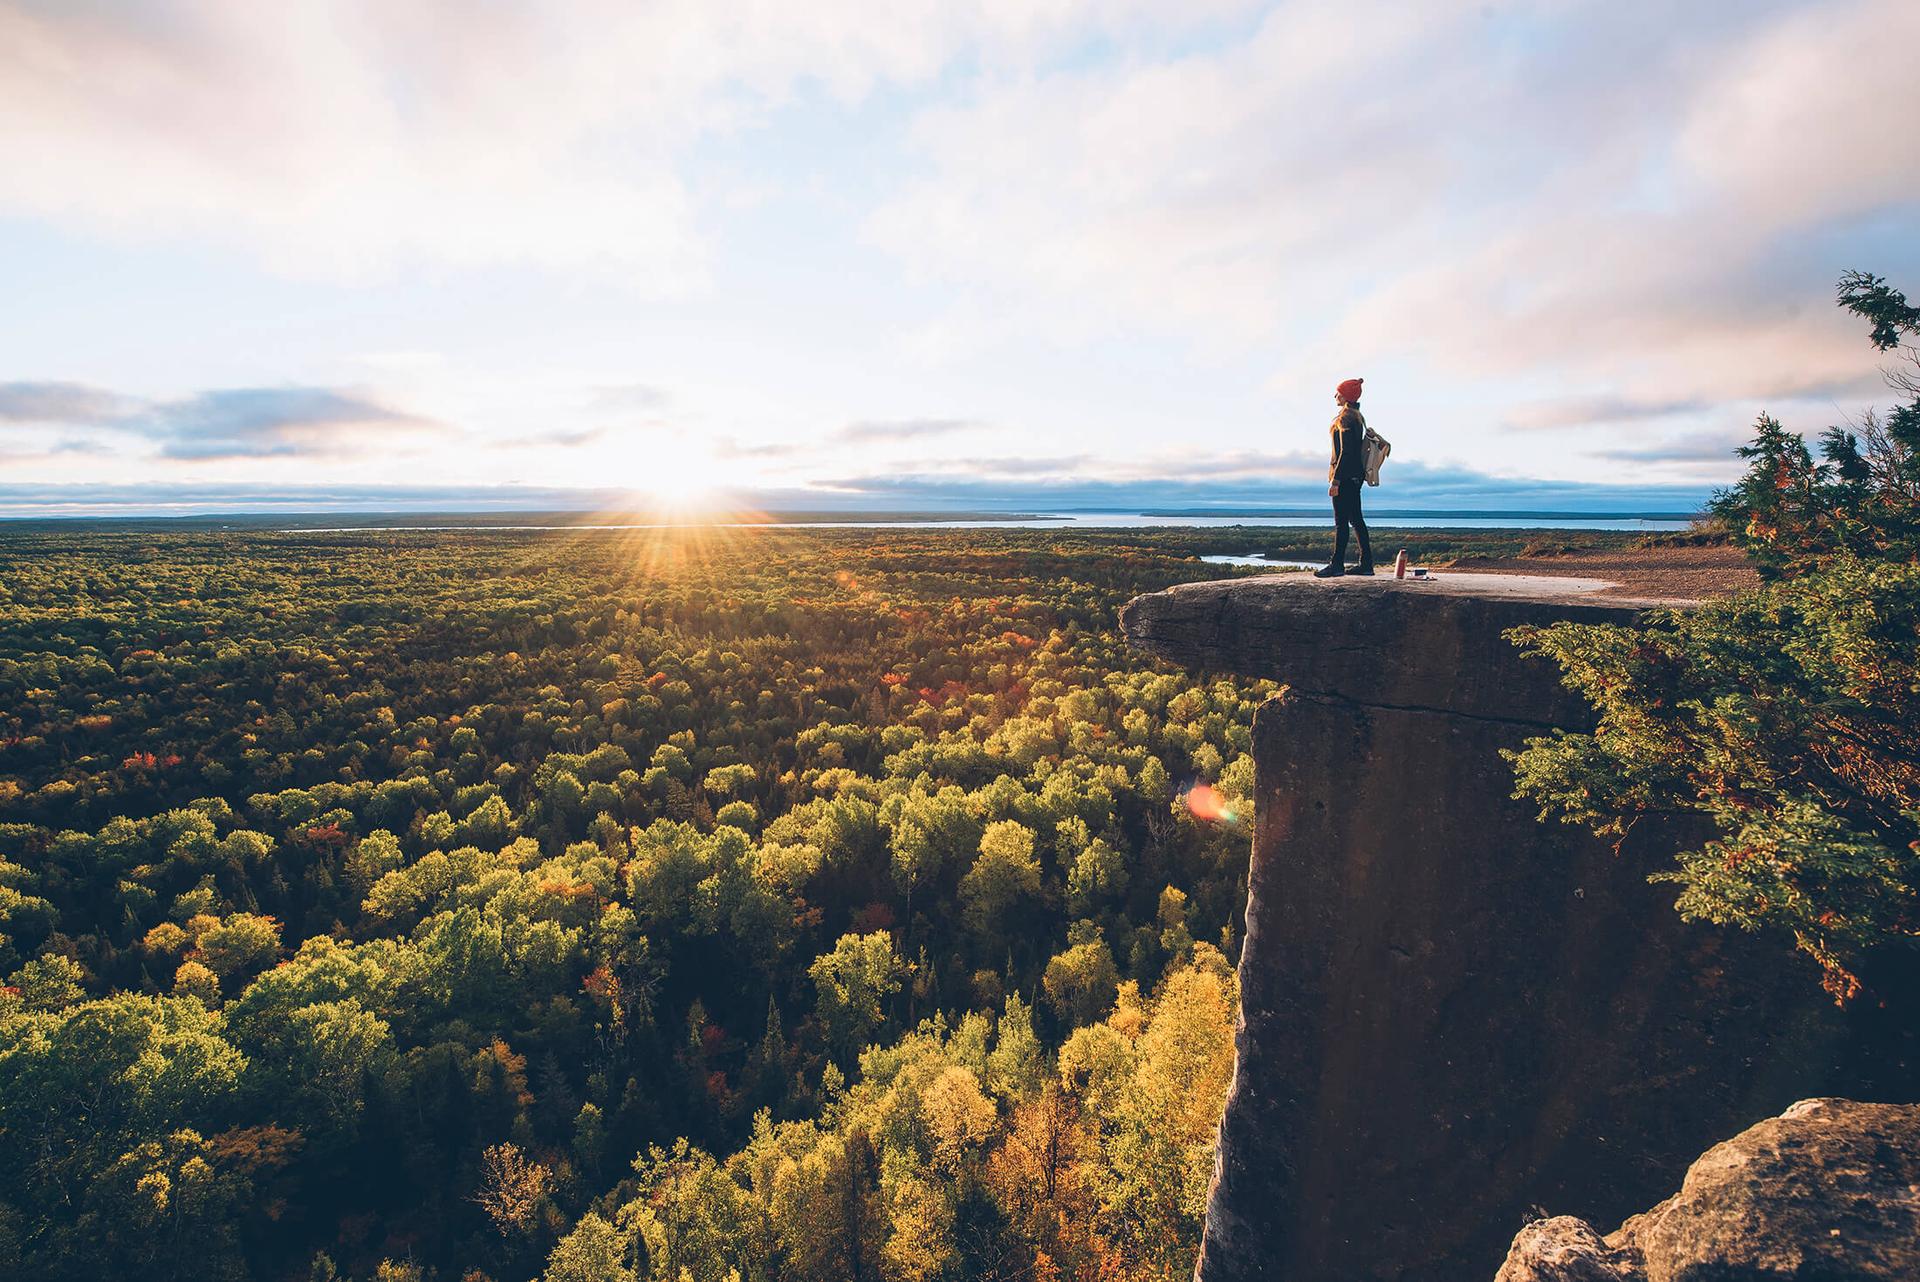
(932, 253)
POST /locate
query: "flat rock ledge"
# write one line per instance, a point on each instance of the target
(1436, 644)
(1827, 1191)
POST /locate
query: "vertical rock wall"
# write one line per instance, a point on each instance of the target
(1450, 1011)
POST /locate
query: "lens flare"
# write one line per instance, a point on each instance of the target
(1209, 805)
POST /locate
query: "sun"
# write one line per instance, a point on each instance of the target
(673, 476)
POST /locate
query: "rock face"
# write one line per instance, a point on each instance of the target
(1451, 1012)
(1828, 1190)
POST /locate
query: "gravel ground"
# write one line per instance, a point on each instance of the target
(1676, 574)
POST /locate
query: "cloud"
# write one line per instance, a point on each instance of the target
(902, 429)
(61, 403)
(644, 398)
(1583, 411)
(1119, 221)
(557, 440)
(1418, 489)
(1714, 448)
(825, 449)
(1810, 96)
(268, 422)
(1014, 466)
(353, 138)
(1415, 489)
(223, 423)
(167, 499)
(1184, 469)
(1253, 477)
(56, 450)
(730, 447)
(1620, 197)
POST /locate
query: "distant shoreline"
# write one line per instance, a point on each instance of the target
(549, 519)
(531, 518)
(1430, 514)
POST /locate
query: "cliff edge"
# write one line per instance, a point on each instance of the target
(1450, 1011)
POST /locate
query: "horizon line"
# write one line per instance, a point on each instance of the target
(767, 516)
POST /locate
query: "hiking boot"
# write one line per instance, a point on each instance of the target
(1333, 571)
(1365, 567)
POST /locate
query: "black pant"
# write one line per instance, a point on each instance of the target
(1346, 512)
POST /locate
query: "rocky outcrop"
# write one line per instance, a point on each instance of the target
(1565, 1249)
(1436, 646)
(1451, 1012)
(1828, 1190)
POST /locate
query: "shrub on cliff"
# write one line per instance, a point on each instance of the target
(1862, 498)
(1789, 715)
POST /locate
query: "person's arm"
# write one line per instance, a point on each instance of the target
(1349, 451)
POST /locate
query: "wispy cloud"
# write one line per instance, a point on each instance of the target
(1715, 449)
(563, 440)
(1197, 469)
(62, 403)
(57, 450)
(624, 398)
(224, 423)
(1583, 194)
(730, 447)
(1585, 411)
(164, 499)
(902, 429)
(1456, 490)
(269, 422)
(1415, 488)
(349, 138)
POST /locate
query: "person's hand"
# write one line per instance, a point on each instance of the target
(1333, 489)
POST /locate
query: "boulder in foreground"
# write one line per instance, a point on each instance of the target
(1829, 1190)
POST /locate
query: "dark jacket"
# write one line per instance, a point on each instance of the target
(1349, 446)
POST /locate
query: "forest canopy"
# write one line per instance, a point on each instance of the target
(797, 905)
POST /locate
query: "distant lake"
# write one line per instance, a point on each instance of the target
(1261, 561)
(1106, 521)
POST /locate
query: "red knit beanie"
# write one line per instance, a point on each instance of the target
(1350, 390)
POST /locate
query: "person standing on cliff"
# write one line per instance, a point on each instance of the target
(1345, 476)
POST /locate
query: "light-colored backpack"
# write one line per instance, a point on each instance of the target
(1378, 448)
